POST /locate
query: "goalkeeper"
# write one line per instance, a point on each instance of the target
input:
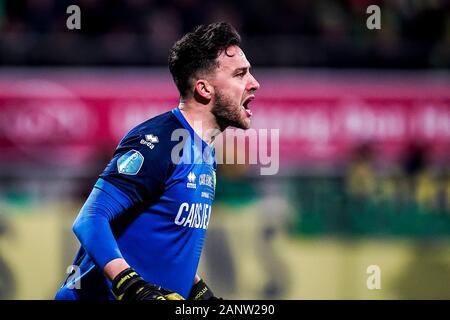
(143, 226)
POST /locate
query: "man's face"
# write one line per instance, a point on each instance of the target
(234, 88)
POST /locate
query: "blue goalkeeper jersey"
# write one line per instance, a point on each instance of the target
(151, 206)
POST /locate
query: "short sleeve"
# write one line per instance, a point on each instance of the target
(140, 166)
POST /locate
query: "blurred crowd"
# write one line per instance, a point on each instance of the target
(412, 179)
(321, 33)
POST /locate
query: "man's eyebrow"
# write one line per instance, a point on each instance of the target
(242, 69)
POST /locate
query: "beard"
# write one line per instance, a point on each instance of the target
(227, 113)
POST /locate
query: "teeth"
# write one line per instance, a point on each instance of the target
(247, 111)
(246, 108)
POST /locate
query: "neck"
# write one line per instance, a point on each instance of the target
(200, 119)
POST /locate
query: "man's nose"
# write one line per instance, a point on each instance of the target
(253, 84)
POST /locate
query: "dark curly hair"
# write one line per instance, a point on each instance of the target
(197, 52)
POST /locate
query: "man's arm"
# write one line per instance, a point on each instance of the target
(114, 267)
(200, 291)
(196, 279)
(92, 227)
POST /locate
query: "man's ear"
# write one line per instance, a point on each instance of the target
(203, 89)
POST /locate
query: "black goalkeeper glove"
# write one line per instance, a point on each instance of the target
(129, 285)
(200, 291)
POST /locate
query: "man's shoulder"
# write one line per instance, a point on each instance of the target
(158, 129)
(143, 159)
(163, 123)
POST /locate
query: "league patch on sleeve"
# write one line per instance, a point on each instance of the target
(130, 163)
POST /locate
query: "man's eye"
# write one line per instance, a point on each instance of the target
(241, 75)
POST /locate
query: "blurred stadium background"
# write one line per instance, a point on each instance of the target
(364, 119)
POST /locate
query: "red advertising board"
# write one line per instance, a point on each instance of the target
(67, 117)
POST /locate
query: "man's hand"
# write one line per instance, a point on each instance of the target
(200, 291)
(129, 285)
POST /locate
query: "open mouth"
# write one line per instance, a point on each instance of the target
(246, 103)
